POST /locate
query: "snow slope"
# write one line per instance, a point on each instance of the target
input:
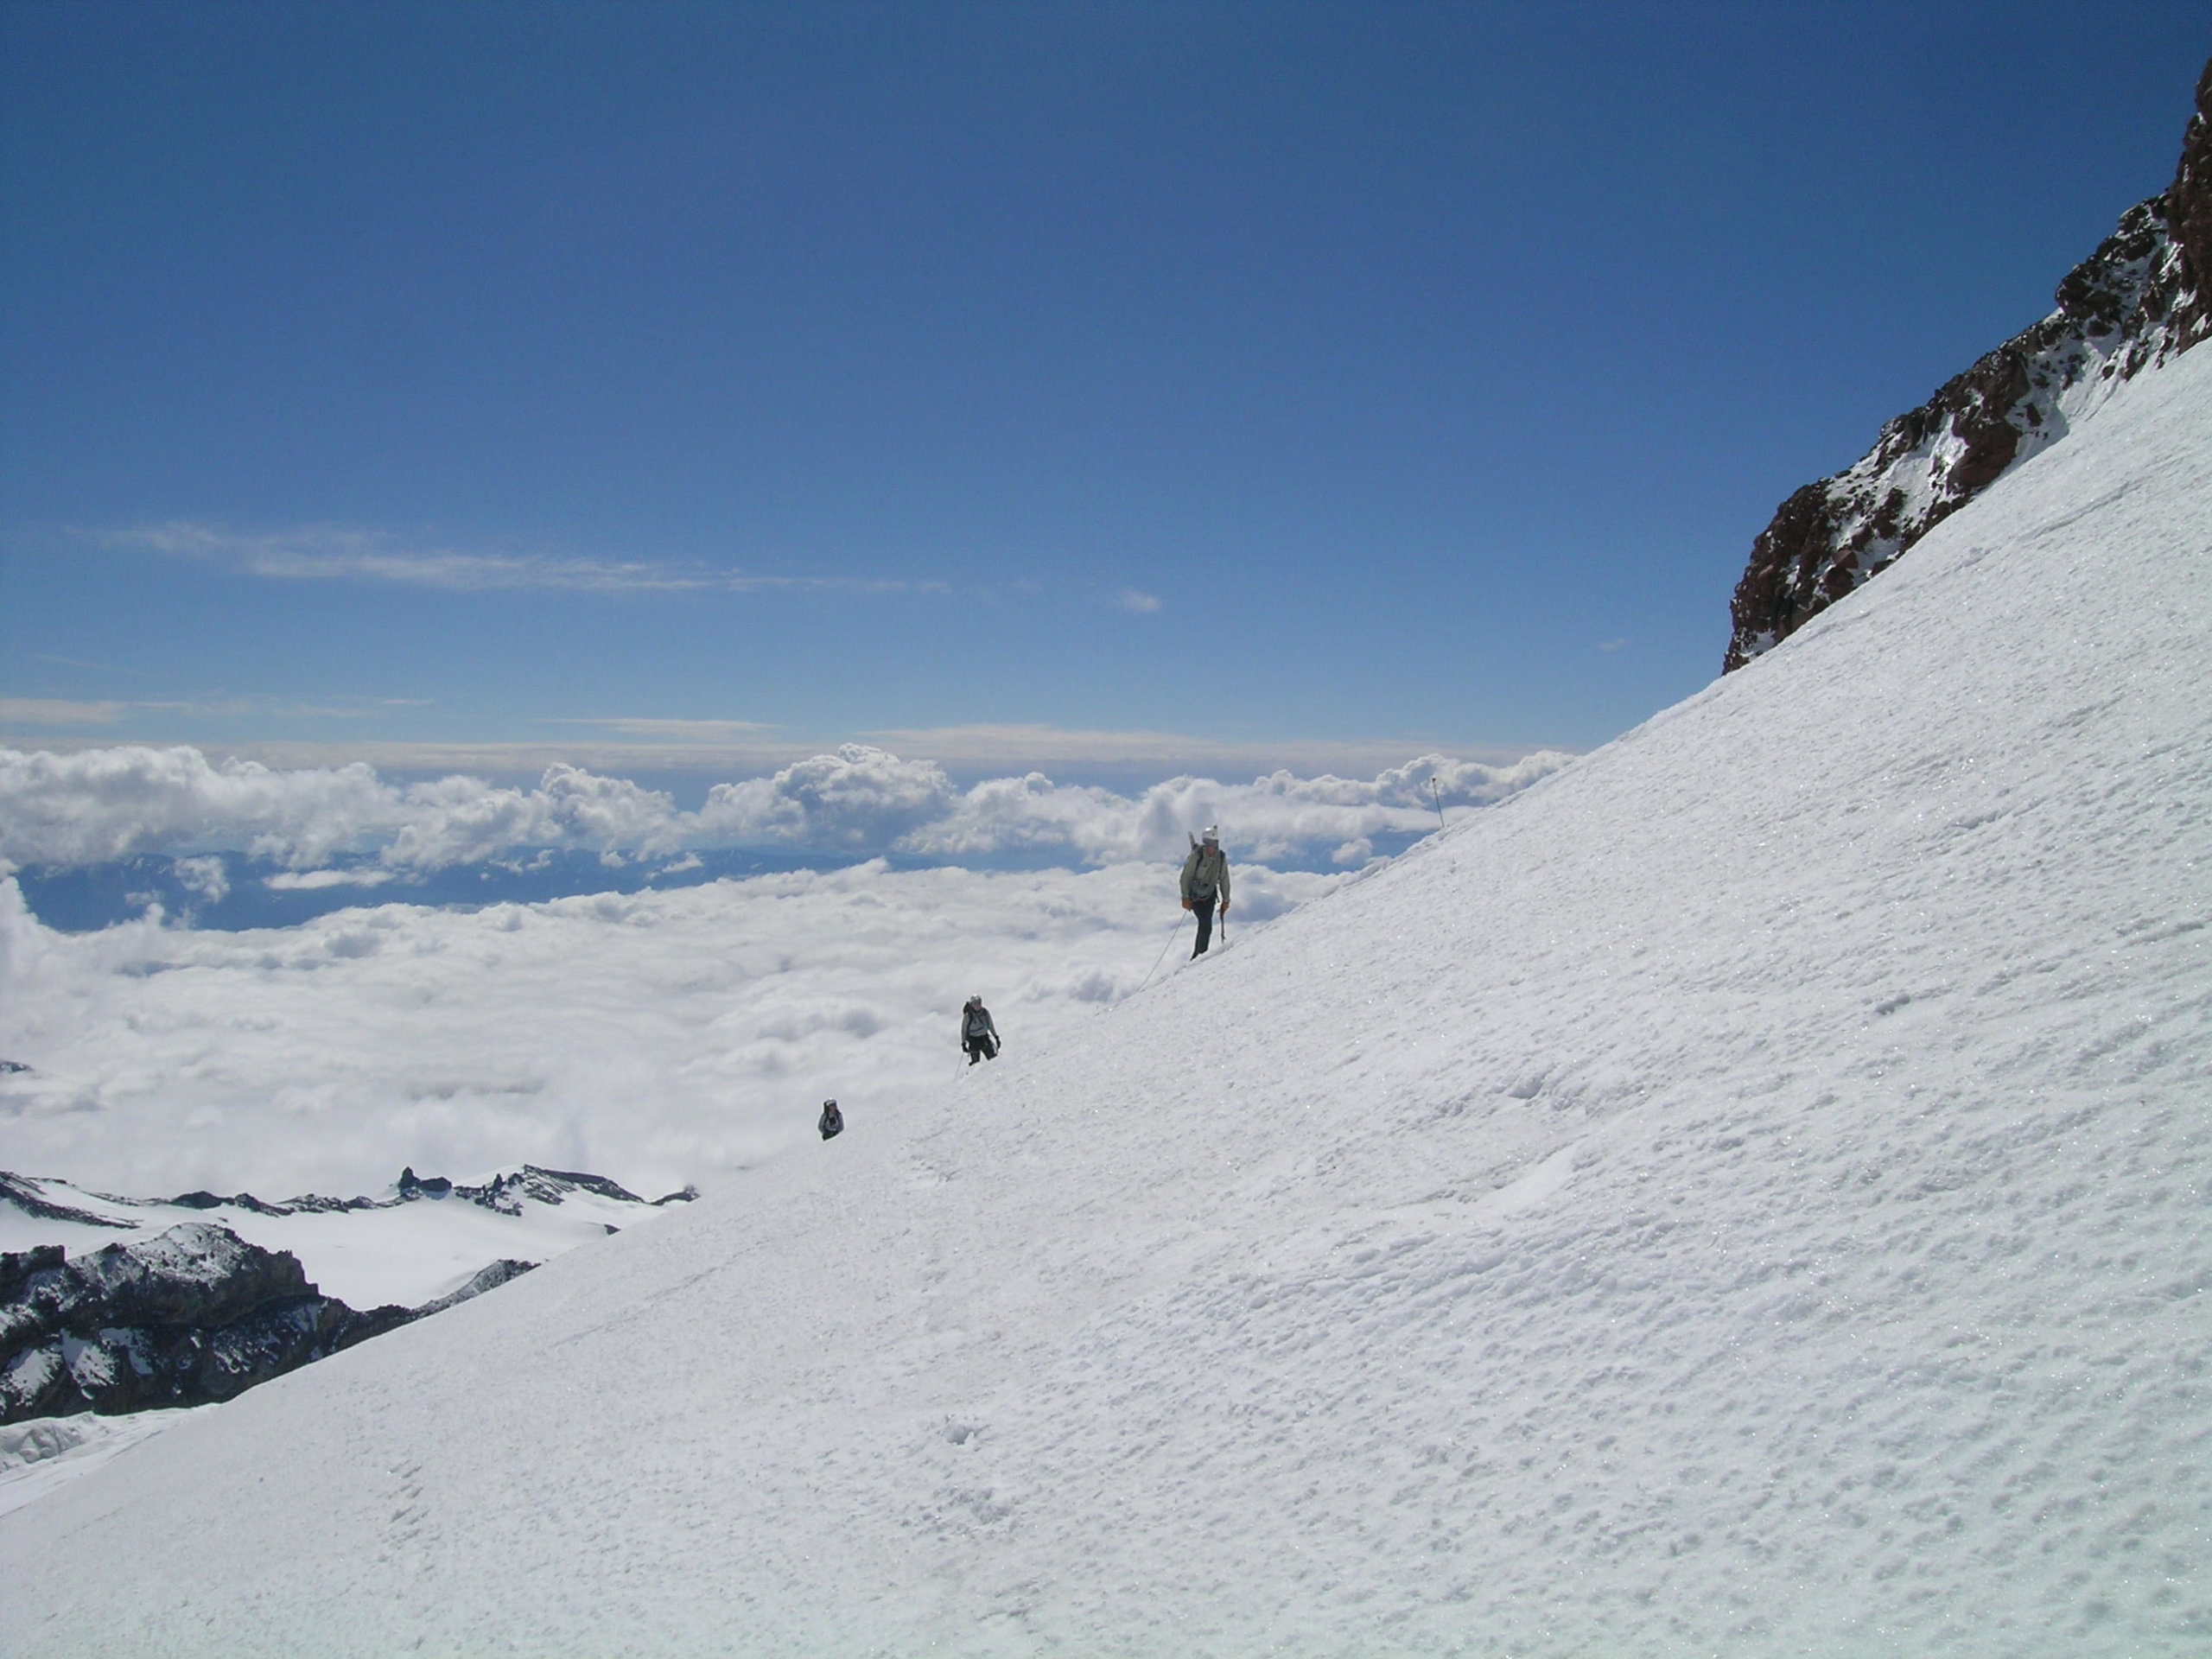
(1747, 1194)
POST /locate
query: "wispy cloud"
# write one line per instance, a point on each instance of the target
(350, 553)
(1140, 603)
(1019, 744)
(966, 747)
(673, 731)
(56, 711)
(97, 668)
(1610, 644)
(41, 713)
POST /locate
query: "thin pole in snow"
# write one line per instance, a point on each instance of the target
(1437, 796)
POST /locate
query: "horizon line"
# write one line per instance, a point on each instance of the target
(956, 749)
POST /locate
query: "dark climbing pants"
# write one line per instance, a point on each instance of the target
(1203, 909)
(981, 1047)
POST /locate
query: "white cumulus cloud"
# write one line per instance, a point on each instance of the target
(100, 804)
(858, 798)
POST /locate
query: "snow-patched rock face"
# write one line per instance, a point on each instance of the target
(189, 1316)
(193, 1315)
(112, 1305)
(2142, 297)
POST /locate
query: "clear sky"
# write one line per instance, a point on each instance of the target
(1288, 375)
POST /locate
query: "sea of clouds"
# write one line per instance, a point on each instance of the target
(660, 1035)
(104, 804)
(656, 1037)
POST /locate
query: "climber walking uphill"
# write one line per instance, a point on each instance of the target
(832, 1122)
(1205, 880)
(978, 1034)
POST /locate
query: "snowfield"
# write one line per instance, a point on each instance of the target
(1747, 1194)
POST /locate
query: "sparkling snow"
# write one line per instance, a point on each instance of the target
(1747, 1194)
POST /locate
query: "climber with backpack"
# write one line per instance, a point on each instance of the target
(1205, 881)
(832, 1122)
(978, 1034)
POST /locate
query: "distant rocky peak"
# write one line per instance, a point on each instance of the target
(506, 1193)
(2144, 295)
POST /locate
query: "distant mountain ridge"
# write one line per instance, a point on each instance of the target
(2144, 296)
(503, 1193)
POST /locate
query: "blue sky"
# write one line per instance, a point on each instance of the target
(390, 380)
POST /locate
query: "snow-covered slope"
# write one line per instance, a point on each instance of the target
(1747, 1194)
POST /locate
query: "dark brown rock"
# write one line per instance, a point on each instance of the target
(2189, 212)
(2143, 296)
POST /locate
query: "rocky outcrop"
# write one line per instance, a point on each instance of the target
(2142, 297)
(192, 1316)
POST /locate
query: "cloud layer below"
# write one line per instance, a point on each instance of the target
(656, 1036)
(96, 805)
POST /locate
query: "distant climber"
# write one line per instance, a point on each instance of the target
(978, 1034)
(833, 1120)
(1205, 880)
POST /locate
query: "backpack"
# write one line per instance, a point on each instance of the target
(1203, 886)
